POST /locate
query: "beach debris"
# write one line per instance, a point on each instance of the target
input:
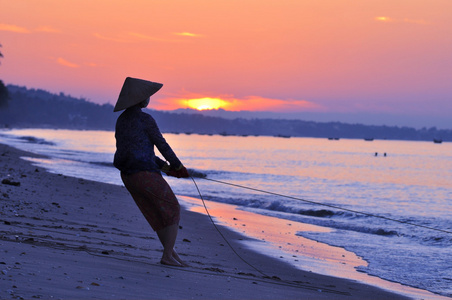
(186, 240)
(9, 182)
(218, 270)
(246, 274)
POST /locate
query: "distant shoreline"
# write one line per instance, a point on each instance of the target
(434, 140)
(30, 108)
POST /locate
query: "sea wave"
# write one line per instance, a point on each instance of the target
(35, 140)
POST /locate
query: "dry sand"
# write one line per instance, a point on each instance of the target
(69, 238)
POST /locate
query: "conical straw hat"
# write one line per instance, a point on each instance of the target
(135, 91)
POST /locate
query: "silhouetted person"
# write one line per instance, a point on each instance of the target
(136, 135)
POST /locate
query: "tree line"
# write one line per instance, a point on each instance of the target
(36, 108)
(3, 89)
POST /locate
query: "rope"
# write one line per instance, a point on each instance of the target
(224, 238)
(327, 205)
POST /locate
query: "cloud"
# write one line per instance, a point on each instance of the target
(405, 20)
(131, 37)
(146, 37)
(421, 22)
(383, 19)
(189, 34)
(47, 29)
(231, 103)
(66, 63)
(142, 36)
(257, 103)
(18, 29)
(13, 28)
(112, 39)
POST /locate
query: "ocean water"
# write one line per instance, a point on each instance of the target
(390, 202)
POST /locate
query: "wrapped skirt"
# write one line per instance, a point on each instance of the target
(154, 197)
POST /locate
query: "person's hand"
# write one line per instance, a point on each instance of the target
(165, 168)
(180, 172)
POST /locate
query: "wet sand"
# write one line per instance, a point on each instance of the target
(69, 238)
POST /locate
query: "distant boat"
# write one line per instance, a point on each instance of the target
(369, 139)
(333, 139)
(283, 136)
(437, 141)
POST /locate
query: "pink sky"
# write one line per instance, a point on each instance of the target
(329, 56)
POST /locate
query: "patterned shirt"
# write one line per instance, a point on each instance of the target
(136, 135)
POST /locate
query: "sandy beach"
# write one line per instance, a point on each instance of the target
(69, 238)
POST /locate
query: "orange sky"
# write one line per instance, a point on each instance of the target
(325, 56)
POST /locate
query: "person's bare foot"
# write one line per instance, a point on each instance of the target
(179, 260)
(170, 262)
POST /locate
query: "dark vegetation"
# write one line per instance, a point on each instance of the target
(3, 91)
(34, 108)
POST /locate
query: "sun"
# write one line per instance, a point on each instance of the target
(206, 103)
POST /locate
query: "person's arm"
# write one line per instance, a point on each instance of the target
(160, 162)
(176, 169)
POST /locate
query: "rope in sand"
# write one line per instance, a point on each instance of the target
(224, 238)
(276, 280)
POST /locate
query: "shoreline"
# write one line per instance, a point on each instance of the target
(69, 238)
(279, 240)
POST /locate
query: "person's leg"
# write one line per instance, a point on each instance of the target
(160, 207)
(168, 237)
